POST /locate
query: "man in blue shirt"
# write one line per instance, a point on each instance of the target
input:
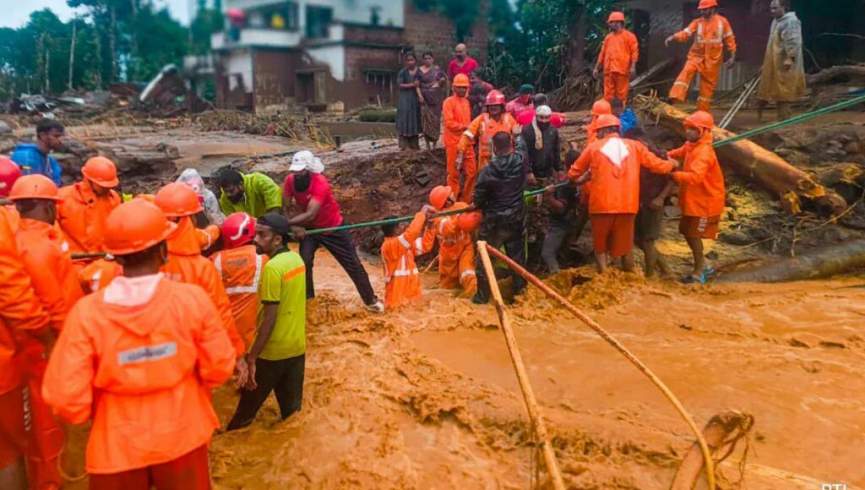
(34, 158)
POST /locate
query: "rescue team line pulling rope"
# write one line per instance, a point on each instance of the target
(483, 248)
(752, 132)
(522, 377)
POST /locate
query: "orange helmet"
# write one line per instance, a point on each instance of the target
(438, 197)
(700, 119)
(35, 186)
(177, 200)
(495, 98)
(135, 226)
(616, 17)
(9, 173)
(469, 222)
(101, 171)
(238, 229)
(607, 121)
(461, 80)
(707, 4)
(601, 107)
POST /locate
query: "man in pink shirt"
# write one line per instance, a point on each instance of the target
(314, 208)
(523, 101)
(462, 63)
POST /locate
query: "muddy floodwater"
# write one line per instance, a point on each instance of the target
(426, 397)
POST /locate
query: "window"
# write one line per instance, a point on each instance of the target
(318, 21)
(281, 16)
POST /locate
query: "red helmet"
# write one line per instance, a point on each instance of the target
(601, 107)
(495, 98)
(707, 4)
(616, 17)
(607, 121)
(701, 120)
(238, 229)
(9, 173)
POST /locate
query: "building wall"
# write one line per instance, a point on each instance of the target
(274, 78)
(430, 31)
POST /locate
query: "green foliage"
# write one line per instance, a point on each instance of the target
(463, 13)
(538, 39)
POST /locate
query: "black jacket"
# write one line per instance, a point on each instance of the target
(500, 186)
(547, 160)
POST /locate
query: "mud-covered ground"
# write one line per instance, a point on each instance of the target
(426, 397)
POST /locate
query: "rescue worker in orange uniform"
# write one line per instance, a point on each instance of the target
(21, 318)
(456, 117)
(46, 258)
(456, 248)
(618, 58)
(139, 359)
(186, 264)
(711, 32)
(86, 204)
(240, 267)
(480, 132)
(613, 164)
(701, 190)
(401, 277)
(599, 108)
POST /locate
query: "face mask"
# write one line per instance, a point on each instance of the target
(302, 181)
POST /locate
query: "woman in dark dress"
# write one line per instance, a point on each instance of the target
(432, 84)
(408, 120)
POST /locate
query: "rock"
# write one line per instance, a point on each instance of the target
(795, 157)
(735, 237)
(4, 128)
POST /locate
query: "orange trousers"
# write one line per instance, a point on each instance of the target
(44, 433)
(708, 80)
(470, 168)
(12, 435)
(457, 269)
(616, 86)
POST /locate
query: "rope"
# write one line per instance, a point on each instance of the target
(750, 133)
(390, 221)
(701, 441)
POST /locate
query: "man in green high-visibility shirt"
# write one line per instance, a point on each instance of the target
(255, 193)
(277, 357)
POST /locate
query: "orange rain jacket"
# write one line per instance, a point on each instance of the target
(615, 165)
(240, 269)
(98, 274)
(401, 277)
(141, 371)
(705, 57)
(482, 130)
(21, 313)
(82, 216)
(456, 117)
(186, 264)
(701, 181)
(45, 254)
(619, 52)
(208, 236)
(456, 253)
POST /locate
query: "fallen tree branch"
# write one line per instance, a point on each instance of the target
(722, 433)
(831, 73)
(825, 262)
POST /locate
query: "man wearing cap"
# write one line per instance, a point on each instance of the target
(45, 255)
(278, 356)
(618, 58)
(543, 147)
(253, 193)
(613, 164)
(311, 195)
(240, 267)
(712, 33)
(139, 359)
(524, 101)
(35, 158)
(85, 205)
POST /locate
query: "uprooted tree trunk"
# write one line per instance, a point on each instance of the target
(825, 262)
(754, 162)
(829, 74)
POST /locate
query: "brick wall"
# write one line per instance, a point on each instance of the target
(273, 77)
(429, 31)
